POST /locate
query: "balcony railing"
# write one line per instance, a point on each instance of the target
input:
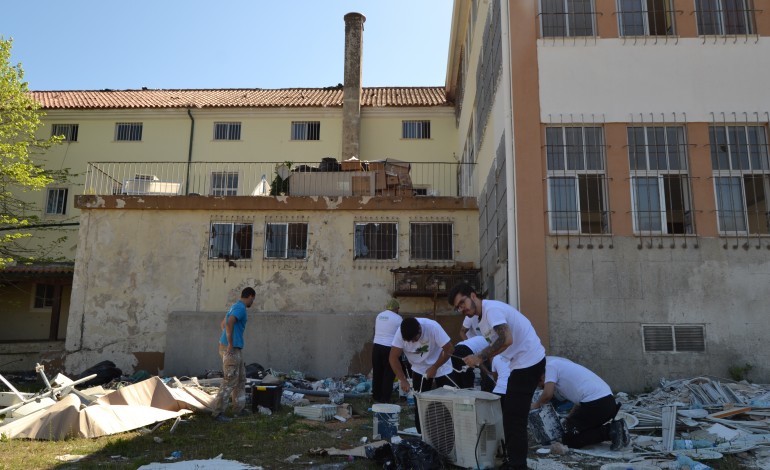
(329, 178)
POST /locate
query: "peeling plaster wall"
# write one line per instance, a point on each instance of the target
(600, 298)
(141, 265)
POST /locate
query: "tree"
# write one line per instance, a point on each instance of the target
(20, 117)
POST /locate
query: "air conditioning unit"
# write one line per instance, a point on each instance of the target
(465, 426)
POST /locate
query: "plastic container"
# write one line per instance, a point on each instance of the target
(385, 423)
(268, 396)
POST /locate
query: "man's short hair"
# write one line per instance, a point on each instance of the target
(410, 327)
(462, 288)
(248, 292)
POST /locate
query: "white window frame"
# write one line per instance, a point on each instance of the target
(305, 131)
(57, 197)
(362, 251)
(416, 129)
(227, 131)
(287, 252)
(128, 131)
(428, 239)
(644, 12)
(222, 183)
(68, 131)
(567, 15)
(228, 231)
(719, 13)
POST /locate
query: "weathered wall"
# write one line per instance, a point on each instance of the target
(600, 298)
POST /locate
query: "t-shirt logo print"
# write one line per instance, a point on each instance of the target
(422, 349)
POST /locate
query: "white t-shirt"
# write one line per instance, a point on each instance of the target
(424, 352)
(472, 325)
(475, 344)
(525, 350)
(500, 366)
(573, 381)
(385, 327)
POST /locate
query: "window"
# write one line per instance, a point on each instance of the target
(306, 130)
(646, 17)
(56, 201)
(674, 338)
(566, 18)
(68, 131)
(660, 188)
(128, 131)
(227, 131)
(230, 240)
(739, 159)
(724, 17)
(376, 240)
(224, 183)
(415, 129)
(576, 180)
(430, 241)
(286, 240)
(43, 296)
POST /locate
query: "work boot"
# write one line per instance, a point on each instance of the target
(619, 434)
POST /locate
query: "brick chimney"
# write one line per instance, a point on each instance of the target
(351, 96)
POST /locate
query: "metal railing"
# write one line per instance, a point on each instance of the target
(382, 178)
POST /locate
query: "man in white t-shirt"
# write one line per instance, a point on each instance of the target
(427, 348)
(591, 419)
(470, 328)
(511, 335)
(473, 345)
(385, 327)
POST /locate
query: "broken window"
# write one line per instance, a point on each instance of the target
(230, 240)
(566, 18)
(284, 240)
(660, 185)
(376, 240)
(430, 241)
(576, 180)
(646, 17)
(224, 183)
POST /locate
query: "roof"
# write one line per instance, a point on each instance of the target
(237, 98)
(52, 269)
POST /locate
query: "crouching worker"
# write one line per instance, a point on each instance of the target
(591, 420)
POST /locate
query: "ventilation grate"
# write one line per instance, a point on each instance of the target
(689, 338)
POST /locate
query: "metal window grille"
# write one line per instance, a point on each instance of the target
(741, 165)
(577, 182)
(306, 130)
(224, 183)
(286, 240)
(646, 17)
(725, 17)
(43, 296)
(430, 241)
(128, 131)
(68, 131)
(567, 18)
(376, 240)
(227, 131)
(674, 338)
(56, 202)
(230, 241)
(415, 129)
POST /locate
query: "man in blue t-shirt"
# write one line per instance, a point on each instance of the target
(230, 349)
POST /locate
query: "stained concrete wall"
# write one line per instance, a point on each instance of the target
(600, 298)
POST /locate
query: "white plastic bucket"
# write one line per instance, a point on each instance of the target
(385, 420)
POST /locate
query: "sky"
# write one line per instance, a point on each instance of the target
(98, 44)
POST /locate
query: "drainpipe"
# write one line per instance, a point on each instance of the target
(189, 153)
(510, 160)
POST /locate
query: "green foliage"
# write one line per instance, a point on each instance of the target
(20, 117)
(739, 373)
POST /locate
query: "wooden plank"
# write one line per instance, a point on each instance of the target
(729, 412)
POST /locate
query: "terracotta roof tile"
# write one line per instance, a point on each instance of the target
(237, 98)
(55, 268)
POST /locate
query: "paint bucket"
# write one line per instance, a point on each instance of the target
(544, 424)
(385, 420)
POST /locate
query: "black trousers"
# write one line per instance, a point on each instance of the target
(518, 397)
(424, 384)
(382, 374)
(589, 423)
(466, 379)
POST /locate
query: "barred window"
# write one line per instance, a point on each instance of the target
(566, 18)
(660, 184)
(285, 240)
(646, 17)
(43, 296)
(306, 130)
(376, 240)
(128, 131)
(724, 17)
(576, 180)
(415, 129)
(56, 201)
(230, 240)
(739, 159)
(430, 241)
(68, 131)
(227, 131)
(224, 183)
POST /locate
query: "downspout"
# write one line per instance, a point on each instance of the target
(510, 161)
(189, 152)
